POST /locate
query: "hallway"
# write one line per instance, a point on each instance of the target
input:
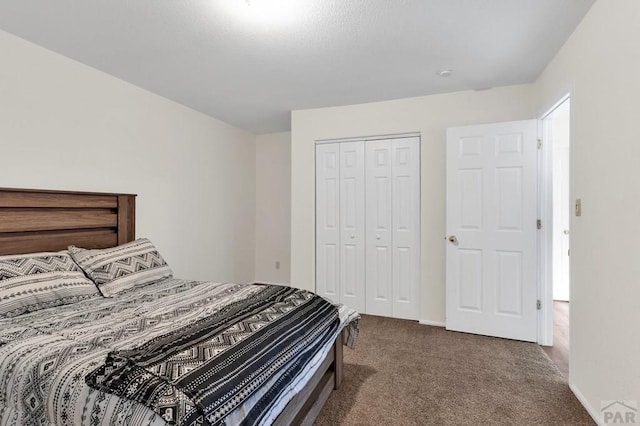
(559, 352)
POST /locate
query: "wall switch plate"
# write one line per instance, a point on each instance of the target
(578, 207)
(277, 264)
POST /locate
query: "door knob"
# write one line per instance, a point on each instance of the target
(352, 236)
(377, 237)
(565, 232)
(453, 239)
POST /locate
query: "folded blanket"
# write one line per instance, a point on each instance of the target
(202, 372)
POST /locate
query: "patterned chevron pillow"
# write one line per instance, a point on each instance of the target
(120, 268)
(30, 282)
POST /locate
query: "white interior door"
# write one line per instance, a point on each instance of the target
(406, 227)
(352, 229)
(491, 253)
(328, 221)
(379, 224)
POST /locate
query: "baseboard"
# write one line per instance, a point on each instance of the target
(432, 323)
(595, 415)
(271, 283)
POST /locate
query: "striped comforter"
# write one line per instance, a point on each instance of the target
(173, 352)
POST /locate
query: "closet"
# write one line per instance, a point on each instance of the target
(368, 225)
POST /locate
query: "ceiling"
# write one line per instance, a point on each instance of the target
(250, 63)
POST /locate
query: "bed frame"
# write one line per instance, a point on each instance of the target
(34, 220)
(38, 220)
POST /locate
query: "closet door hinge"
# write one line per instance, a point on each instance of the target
(538, 305)
(539, 224)
(539, 143)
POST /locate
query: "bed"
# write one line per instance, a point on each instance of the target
(171, 351)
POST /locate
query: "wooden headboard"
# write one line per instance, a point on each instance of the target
(34, 220)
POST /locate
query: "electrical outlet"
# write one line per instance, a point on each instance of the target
(277, 264)
(578, 207)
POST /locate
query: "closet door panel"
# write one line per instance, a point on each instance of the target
(405, 168)
(328, 221)
(352, 224)
(379, 226)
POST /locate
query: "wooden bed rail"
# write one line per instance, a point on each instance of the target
(307, 404)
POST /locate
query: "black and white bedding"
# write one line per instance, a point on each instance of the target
(175, 351)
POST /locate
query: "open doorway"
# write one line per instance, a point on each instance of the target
(557, 139)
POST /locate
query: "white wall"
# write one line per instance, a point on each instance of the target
(273, 207)
(600, 66)
(64, 125)
(429, 115)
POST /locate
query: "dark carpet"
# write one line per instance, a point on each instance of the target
(404, 373)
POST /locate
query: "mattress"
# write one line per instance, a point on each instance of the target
(48, 357)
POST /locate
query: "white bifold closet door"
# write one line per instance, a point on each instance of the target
(352, 237)
(340, 236)
(368, 225)
(328, 221)
(393, 227)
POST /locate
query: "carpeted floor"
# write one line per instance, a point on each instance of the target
(404, 373)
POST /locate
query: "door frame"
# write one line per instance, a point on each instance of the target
(545, 237)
